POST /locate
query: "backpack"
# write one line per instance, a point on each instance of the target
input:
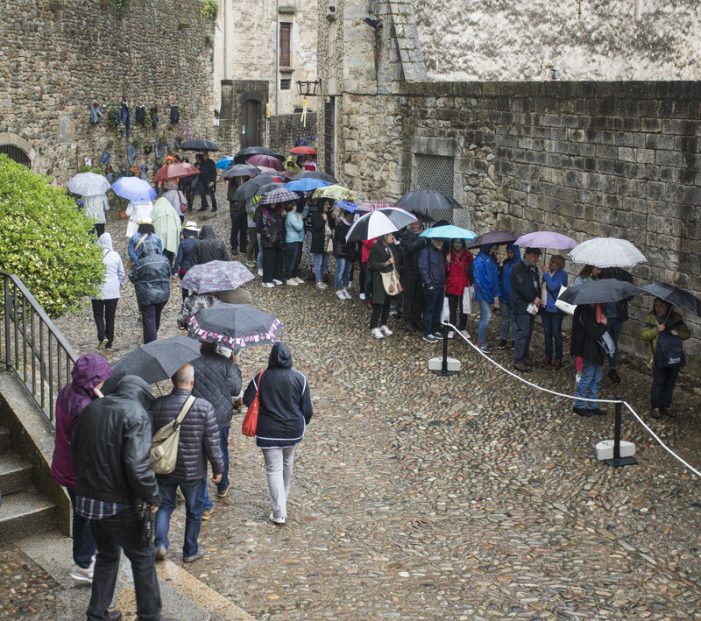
(164, 449)
(669, 351)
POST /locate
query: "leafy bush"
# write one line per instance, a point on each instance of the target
(210, 10)
(46, 240)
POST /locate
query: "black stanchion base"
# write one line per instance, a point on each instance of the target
(445, 373)
(621, 461)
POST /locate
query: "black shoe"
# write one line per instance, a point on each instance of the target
(502, 344)
(409, 328)
(597, 412)
(614, 377)
(520, 365)
(214, 209)
(114, 615)
(201, 209)
(582, 412)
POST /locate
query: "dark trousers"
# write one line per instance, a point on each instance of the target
(380, 313)
(552, 327)
(168, 254)
(123, 531)
(456, 314)
(664, 379)
(366, 277)
(194, 504)
(103, 312)
(522, 328)
(239, 231)
(151, 320)
(272, 264)
(252, 250)
(207, 191)
(433, 307)
(83, 542)
(224, 483)
(614, 327)
(413, 299)
(99, 228)
(293, 253)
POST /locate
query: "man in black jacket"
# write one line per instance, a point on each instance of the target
(411, 244)
(208, 247)
(525, 294)
(111, 449)
(208, 182)
(198, 442)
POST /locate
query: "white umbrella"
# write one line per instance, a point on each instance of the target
(607, 252)
(399, 216)
(88, 184)
(370, 226)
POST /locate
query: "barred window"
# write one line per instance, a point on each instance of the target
(285, 44)
(435, 172)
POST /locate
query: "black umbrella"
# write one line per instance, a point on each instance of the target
(241, 170)
(158, 360)
(675, 296)
(242, 155)
(198, 145)
(252, 187)
(600, 291)
(315, 174)
(493, 237)
(428, 202)
(235, 326)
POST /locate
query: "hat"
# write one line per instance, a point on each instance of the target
(535, 251)
(190, 225)
(146, 220)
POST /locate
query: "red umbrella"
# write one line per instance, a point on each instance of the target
(265, 160)
(303, 150)
(375, 204)
(171, 171)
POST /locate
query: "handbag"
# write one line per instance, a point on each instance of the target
(669, 351)
(391, 282)
(562, 305)
(249, 426)
(468, 299)
(164, 449)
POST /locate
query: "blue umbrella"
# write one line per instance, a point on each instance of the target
(224, 163)
(134, 189)
(346, 206)
(449, 231)
(306, 185)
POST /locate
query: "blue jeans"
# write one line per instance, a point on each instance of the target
(433, 307)
(505, 319)
(588, 386)
(319, 265)
(552, 327)
(224, 483)
(259, 256)
(194, 503)
(83, 542)
(615, 326)
(485, 316)
(343, 270)
(294, 253)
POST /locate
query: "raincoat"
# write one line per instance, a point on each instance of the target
(115, 276)
(95, 207)
(167, 224)
(137, 212)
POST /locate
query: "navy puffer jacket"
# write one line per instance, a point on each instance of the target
(285, 401)
(217, 379)
(151, 275)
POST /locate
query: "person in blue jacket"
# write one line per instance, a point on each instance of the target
(513, 256)
(432, 271)
(553, 279)
(487, 288)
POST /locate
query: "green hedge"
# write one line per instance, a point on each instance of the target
(46, 240)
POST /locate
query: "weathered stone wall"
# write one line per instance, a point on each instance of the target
(286, 129)
(54, 61)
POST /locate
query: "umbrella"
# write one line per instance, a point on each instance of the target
(601, 291)
(448, 232)
(269, 187)
(347, 206)
(607, 252)
(336, 193)
(88, 184)
(376, 204)
(224, 163)
(158, 360)
(235, 325)
(546, 239)
(252, 187)
(134, 189)
(306, 185)
(315, 174)
(279, 195)
(427, 202)
(171, 171)
(242, 155)
(265, 160)
(241, 170)
(303, 150)
(398, 216)
(675, 296)
(371, 225)
(216, 276)
(198, 145)
(493, 237)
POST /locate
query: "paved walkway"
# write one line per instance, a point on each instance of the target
(417, 497)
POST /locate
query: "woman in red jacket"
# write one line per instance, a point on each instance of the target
(458, 276)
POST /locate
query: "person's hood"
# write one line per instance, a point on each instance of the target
(280, 357)
(484, 249)
(105, 240)
(134, 388)
(149, 247)
(515, 249)
(207, 232)
(88, 371)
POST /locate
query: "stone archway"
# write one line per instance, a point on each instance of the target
(17, 149)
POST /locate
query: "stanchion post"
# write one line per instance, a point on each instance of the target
(617, 460)
(444, 366)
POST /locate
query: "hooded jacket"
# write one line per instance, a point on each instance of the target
(285, 401)
(115, 276)
(111, 446)
(151, 275)
(458, 268)
(167, 224)
(525, 286)
(586, 333)
(341, 248)
(217, 379)
(95, 207)
(649, 333)
(208, 247)
(486, 275)
(88, 371)
(505, 274)
(432, 267)
(272, 227)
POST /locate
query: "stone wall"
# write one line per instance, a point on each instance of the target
(57, 55)
(286, 129)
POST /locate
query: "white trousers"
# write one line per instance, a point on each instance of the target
(279, 463)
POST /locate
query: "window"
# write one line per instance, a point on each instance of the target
(435, 172)
(285, 84)
(285, 44)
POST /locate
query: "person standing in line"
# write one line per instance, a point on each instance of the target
(197, 444)
(383, 259)
(411, 244)
(344, 253)
(95, 208)
(272, 236)
(366, 288)
(104, 307)
(89, 373)
(239, 218)
(584, 344)
(208, 182)
(617, 314)
(525, 300)
(587, 273)
(322, 244)
(553, 279)
(458, 270)
(294, 240)
(285, 411)
(432, 270)
(513, 257)
(487, 289)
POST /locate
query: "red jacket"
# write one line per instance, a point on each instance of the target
(456, 270)
(366, 247)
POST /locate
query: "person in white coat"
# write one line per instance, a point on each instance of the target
(95, 208)
(138, 212)
(104, 306)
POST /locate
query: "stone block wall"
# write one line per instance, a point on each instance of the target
(286, 129)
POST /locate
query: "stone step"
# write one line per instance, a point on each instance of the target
(4, 440)
(25, 513)
(15, 474)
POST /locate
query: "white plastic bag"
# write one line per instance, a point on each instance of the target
(564, 306)
(468, 300)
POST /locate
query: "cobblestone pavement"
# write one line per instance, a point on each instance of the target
(418, 497)
(28, 592)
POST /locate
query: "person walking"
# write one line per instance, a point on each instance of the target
(411, 243)
(458, 268)
(198, 443)
(104, 306)
(322, 244)
(487, 289)
(584, 345)
(285, 411)
(111, 450)
(138, 212)
(94, 208)
(167, 226)
(272, 237)
(294, 241)
(144, 232)
(513, 257)
(183, 261)
(432, 270)
(208, 182)
(553, 280)
(208, 247)
(344, 252)
(525, 301)
(88, 375)
(383, 259)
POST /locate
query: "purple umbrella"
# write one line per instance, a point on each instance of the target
(546, 239)
(493, 237)
(216, 276)
(265, 160)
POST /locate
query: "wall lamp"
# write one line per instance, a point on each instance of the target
(374, 23)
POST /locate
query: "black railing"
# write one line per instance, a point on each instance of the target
(33, 348)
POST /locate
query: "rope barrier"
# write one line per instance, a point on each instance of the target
(574, 398)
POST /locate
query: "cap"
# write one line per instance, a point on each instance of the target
(146, 220)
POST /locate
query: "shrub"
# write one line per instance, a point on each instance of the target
(46, 240)
(210, 10)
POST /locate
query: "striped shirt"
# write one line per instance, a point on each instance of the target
(92, 509)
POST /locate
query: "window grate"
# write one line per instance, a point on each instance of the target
(16, 154)
(435, 172)
(285, 84)
(285, 44)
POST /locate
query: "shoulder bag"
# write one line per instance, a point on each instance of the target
(250, 420)
(164, 448)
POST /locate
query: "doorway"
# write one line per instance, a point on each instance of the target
(250, 126)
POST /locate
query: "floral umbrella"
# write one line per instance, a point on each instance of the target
(216, 276)
(88, 184)
(336, 193)
(235, 326)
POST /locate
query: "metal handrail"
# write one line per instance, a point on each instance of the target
(32, 347)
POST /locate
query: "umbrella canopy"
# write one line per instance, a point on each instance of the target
(347, 206)
(269, 161)
(242, 155)
(252, 187)
(448, 232)
(493, 237)
(241, 170)
(306, 185)
(235, 326)
(376, 204)
(398, 216)
(607, 252)
(269, 187)
(315, 174)
(303, 150)
(224, 163)
(216, 276)
(171, 171)
(675, 296)
(88, 184)
(134, 189)
(428, 202)
(158, 360)
(199, 145)
(546, 239)
(336, 193)
(600, 291)
(371, 225)
(279, 195)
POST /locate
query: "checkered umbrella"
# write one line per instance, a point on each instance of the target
(280, 195)
(216, 276)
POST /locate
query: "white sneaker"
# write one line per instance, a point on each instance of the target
(386, 331)
(451, 334)
(465, 334)
(376, 333)
(275, 520)
(362, 295)
(260, 271)
(300, 281)
(276, 281)
(321, 286)
(339, 294)
(347, 295)
(292, 282)
(82, 575)
(267, 285)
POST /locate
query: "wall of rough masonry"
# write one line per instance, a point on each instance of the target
(286, 129)
(56, 56)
